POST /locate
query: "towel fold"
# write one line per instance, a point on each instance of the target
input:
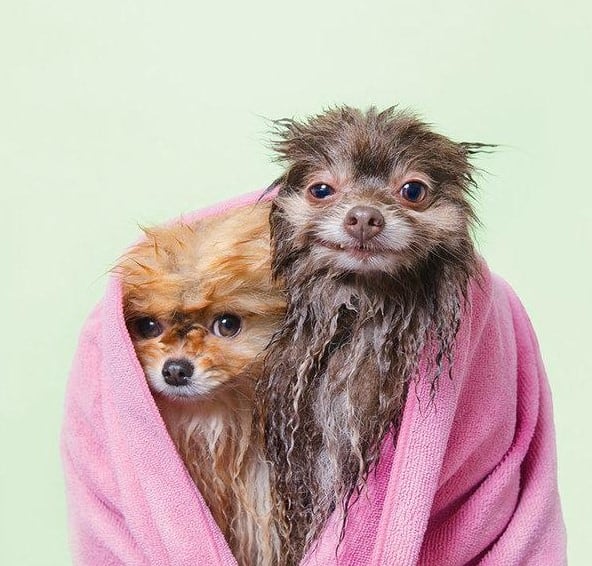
(472, 479)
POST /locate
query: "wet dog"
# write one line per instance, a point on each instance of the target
(200, 307)
(371, 238)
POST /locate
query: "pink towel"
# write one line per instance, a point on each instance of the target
(472, 479)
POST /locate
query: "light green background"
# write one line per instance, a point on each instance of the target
(118, 112)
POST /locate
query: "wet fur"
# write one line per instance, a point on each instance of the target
(336, 374)
(184, 275)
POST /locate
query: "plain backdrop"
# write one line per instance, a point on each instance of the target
(116, 113)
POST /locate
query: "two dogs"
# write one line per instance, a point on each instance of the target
(370, 238)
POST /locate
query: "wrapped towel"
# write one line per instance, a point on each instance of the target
(472, 479)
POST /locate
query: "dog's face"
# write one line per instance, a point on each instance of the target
(370, 192)
(199, 303)
(192, 351)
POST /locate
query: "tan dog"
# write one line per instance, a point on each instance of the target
(200, 307)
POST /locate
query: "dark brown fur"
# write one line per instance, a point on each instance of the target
(337, 372)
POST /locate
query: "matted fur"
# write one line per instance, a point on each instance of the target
(184, 275)
(359, 315)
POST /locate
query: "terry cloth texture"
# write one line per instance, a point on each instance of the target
(472, 479)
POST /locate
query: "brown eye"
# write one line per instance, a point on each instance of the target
(226, 325)
(321, 191)
(414, 191)
(147, 327)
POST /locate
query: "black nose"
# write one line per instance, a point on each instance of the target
(177, 372)
(363, 223)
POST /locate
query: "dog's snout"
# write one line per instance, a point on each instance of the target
(363, 222)
(177, 372)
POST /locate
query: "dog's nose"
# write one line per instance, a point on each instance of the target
(363, 223)
(177, 372)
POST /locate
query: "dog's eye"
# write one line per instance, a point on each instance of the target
(147, 327)
(414, 191)
(226, 325)
(321, 191)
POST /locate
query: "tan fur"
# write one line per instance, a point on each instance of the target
(184, 275)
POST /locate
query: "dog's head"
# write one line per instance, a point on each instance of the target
(370, 192)
(199, 303)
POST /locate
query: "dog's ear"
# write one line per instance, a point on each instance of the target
(469, 150)
(275, 186)
(474, 148)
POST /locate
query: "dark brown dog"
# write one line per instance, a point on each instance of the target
(371, 237)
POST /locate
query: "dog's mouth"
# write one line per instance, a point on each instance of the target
(195, 387)
(358, 251)
(186, 395)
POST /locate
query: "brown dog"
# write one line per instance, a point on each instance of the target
(371, 237)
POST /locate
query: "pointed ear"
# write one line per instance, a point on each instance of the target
(474, 148)
(275, 186)
(284, 132)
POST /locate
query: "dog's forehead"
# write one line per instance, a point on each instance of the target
(185, 315)
(366, 153)
(193, 299)
(361, 159)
